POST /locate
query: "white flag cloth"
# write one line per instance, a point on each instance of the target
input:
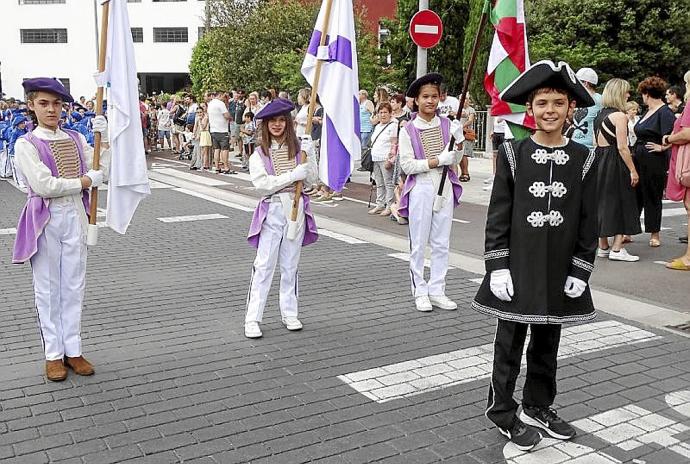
(129, 182)
(338, 90)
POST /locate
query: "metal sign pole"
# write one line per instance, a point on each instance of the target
(422, 52)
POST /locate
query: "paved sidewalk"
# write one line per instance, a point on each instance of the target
(177, 381)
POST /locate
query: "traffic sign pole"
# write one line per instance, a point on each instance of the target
(422, 52)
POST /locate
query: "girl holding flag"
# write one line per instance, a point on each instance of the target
(51, 233)
(424, 151)
(274, 167)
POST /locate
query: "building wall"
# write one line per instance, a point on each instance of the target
(376, 10)
(76, 59)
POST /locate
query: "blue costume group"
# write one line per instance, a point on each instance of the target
(15, 122)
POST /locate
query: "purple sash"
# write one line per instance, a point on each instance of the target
(310, 234)
(418, 151)
(36, 212)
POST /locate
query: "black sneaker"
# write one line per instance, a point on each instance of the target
(523, 436)
(547, 420)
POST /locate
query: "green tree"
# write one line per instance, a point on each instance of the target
(266, 47)
(445, 58)
(630, 39)
(476, 88)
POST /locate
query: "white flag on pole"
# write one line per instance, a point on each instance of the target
(338, 90)
(129, 182)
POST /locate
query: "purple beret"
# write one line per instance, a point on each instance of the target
(278, 107)
(47, 84)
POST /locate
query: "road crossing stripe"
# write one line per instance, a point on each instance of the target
(172, 161)
(417, 376)
(191, 177)
(406, 257)
(10, 231)
(341, 237)
(197, 217)
(203, 196)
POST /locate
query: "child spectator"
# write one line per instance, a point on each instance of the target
(248, 132)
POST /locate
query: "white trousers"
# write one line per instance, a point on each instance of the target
(59, 271)
(434, 229)
(274, 244)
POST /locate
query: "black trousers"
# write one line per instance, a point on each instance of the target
(540, 384)
(652, 168)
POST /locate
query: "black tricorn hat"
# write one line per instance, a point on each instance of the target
(546, 74)
(431, 78)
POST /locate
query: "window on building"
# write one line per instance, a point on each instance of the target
(43, 35)
(170, 34)
(39, 2)
(137, 34)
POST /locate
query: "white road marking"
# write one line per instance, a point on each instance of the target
(198, 217)
(213, 199)
(425, 29)
(158, 185)
(173, 161)
(341, 237)
(10, 231)
(355, 200)
(192, 177)
(430, 373)
(406, 257)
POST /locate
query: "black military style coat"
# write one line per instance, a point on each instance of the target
(542, 225)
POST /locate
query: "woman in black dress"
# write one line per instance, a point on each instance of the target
(616, 174)
(650, 156)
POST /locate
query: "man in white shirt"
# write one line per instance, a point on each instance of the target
(448, 106)
(218, 117)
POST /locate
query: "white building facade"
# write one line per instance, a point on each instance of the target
(57, 38)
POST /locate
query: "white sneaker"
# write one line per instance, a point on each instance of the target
(423, 304)
(489, 180)
(443, 302)
(252, 330)
(292, 323)
(603, 252)
(623, 255)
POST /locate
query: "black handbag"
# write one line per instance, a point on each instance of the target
(367, 162)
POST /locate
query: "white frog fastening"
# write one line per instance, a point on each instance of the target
(540, 189)
(541, 156)
(539, 219)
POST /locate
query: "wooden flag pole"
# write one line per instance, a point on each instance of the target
(466, 84)
(310, 117)
(105, 12)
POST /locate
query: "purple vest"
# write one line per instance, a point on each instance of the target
(419, 154)
(36, 212)
(310, 234)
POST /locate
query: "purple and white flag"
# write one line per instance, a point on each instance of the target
(338, 90)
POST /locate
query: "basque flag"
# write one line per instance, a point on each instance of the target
(508, 59)
(338, 88)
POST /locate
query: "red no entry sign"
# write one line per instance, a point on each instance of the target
(426, 29)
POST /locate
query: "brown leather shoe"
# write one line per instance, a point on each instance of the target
(79, 365)
(56, 371)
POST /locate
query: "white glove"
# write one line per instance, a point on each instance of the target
(574, 287)
(446, 158)
(307, 145)
(100, 124)
(299, 173)
(501, 284)
(96, 177)
(457, 131)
